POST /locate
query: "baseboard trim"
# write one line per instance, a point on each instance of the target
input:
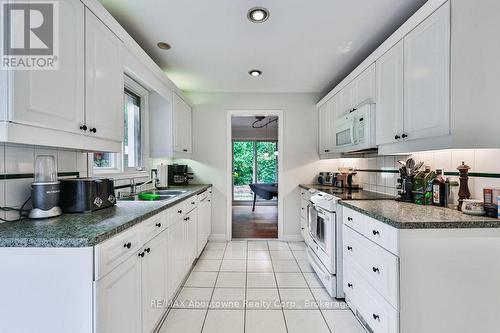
(292, 238)
(217, 237)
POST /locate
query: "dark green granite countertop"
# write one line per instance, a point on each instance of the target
(403, 215)
(86, 229)
(347, 194)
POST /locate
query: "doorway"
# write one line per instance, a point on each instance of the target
(254, 170)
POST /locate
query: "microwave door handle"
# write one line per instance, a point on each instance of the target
(353, 122)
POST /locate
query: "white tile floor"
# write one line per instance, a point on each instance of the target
(255, 287)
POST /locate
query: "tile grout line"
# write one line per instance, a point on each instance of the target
(310, 290)
(277, 288)
(213, 291)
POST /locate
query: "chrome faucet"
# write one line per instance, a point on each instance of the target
(134, 188)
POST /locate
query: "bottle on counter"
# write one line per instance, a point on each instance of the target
(439, 189)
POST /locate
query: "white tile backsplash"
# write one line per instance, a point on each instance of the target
(480, 161)
(19, 159)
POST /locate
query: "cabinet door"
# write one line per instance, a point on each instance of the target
(118, 305)
(389, 112)
(176, 255)
(346, 99)
(178, 124)
(55, 98)
(201, 222)
(364, 85)
(324, 129)
(154, 275)
(190, 239)
(104, 80)
(334, 111)
(427, 77)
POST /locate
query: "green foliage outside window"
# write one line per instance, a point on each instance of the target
(243, 162)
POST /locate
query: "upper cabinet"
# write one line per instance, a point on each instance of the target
(103, 81)
(182, 126)
(409, 80)
(327, 114)
(427, 77)
(364, 87)
(170, 131)
(53, 99)
(80, 104)
(390, 79)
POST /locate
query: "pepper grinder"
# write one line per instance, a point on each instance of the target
(463, 191)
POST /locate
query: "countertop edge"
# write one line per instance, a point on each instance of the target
(78, 242)
(425, 225)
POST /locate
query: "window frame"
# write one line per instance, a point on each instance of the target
(119, 170)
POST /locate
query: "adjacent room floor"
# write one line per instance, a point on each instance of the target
(261, 223)
(256, 287)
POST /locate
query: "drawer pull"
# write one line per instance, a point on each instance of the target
(375, 232)
(127, 245)
(141, 254)
(349, 248)
(179, 211)
(158, 225)
(349, 219)
(349, 285)
(148, 250)
(192, 203)
(376, 317)
(375, 270)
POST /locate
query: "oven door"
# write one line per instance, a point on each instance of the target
(318, 226)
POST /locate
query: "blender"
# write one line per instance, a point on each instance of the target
(45, 189)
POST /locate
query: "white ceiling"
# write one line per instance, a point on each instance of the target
(304, 46)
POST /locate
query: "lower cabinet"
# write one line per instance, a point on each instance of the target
(154, 280)
(118, 299)
(176, 257)
(190, 237)
(204, 220)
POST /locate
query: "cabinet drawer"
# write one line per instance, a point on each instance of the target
(191, 203)
(353, 219)
(305, 194)
(202, 196)
(382, 234)
(176, 212)
(152, 227)
(378, 266)
(116, 250)
(372, 309)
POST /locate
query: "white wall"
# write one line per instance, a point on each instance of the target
(300, 145)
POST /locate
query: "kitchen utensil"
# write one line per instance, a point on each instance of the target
(45, 188)
(418, 166)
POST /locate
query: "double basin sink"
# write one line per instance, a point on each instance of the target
(154, 195)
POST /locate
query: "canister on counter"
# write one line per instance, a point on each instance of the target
(490, 196)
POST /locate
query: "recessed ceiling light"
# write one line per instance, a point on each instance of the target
(258, 14)
(164, 46)
(255, 72)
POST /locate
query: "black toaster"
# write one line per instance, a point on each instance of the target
(80, 195)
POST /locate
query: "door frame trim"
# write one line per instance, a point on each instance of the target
(229, 165)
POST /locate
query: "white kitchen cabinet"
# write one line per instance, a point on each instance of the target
(427, 77)
(364, 87)
(170, 126)
(327, 117)
(103, 81)
(118, 306)
(346, 100)
(204, 220)
(190, 238)
(182, 126)
(389, 109)
(54, 99)
(154, 259)
(176, 255)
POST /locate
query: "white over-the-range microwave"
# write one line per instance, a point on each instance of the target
(355, 131)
